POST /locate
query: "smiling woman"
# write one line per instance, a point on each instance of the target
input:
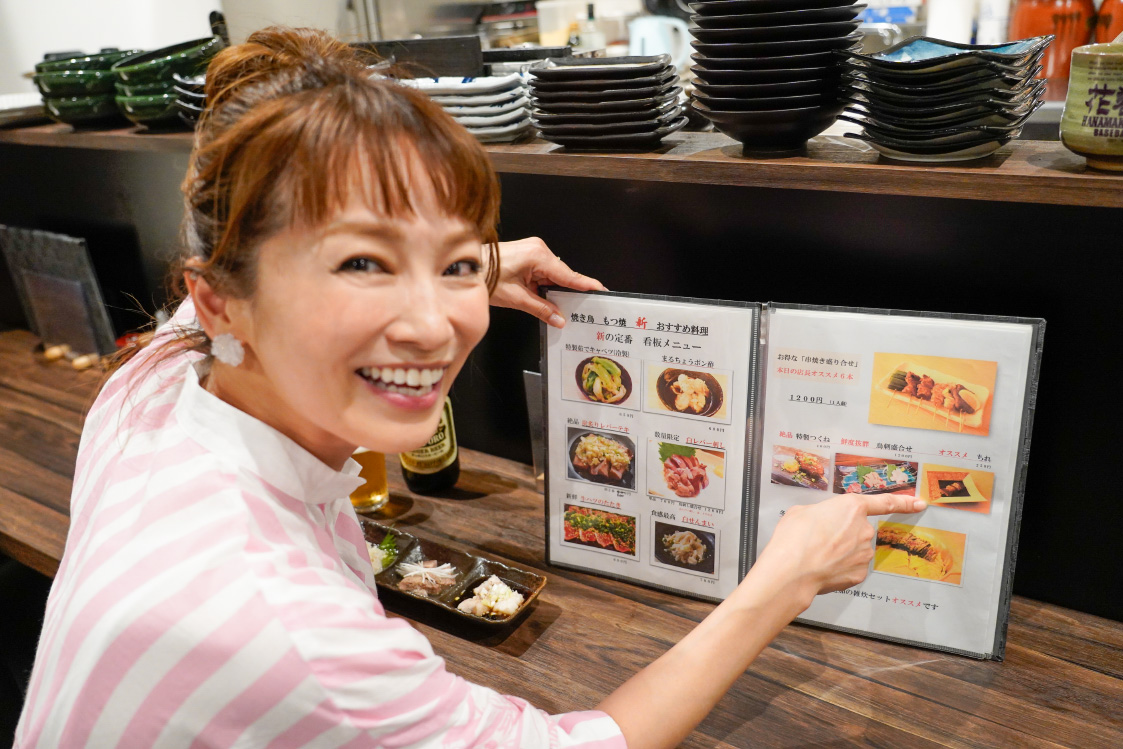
(216, 589)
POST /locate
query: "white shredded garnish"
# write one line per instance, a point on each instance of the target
(444, 574)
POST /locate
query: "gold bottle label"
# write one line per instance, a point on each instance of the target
(439, 452)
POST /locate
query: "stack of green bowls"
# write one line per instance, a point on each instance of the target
(79, 90)
(144, 82)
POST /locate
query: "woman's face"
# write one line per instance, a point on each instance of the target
(357, 328)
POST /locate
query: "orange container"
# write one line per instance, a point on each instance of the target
(1070, 21)
(1109, 23)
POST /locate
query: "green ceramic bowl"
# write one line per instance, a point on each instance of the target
(186, 58)
(100, 61)
(149, 110)
(74, 82)
(79, 110)
(143, 89)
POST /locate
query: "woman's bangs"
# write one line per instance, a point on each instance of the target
(338, 159)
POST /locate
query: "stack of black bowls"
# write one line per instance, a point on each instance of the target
(767, 71)
(606, 102)
(933, 100)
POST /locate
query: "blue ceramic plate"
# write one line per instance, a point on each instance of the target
(972, 117)
(926, 53)
(927, 136)
(880, 94)
(984, 81)
(994, 123)
(945, 112)
(951, 150)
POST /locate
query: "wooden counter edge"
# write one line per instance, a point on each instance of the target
(1040, 172)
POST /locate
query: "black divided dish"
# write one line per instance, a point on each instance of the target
(607, 103)
(471, 570)
(768, 72)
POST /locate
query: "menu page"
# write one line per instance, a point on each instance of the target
(647, 403)
(914, 405)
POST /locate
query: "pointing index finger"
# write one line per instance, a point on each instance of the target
(885, 504)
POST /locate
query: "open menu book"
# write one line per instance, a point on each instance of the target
(679, 432)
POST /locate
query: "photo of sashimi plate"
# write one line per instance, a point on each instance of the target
(692, 474)
(860, 474)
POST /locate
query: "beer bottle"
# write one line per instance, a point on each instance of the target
(436, 466)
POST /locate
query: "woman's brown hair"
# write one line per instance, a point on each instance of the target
(296, 123)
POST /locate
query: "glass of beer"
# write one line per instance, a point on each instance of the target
(374, 493)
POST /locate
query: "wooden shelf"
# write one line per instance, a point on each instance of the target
(1020, 172)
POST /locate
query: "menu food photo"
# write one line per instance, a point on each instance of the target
(680, 431)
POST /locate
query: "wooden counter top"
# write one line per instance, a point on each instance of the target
(1023, 171)
(1061, 683)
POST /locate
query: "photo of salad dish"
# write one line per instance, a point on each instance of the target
(686, 548)
(792, 466)
(858, 474)
(603, 380)
(610, 531)
(689, 392)
(602, 458)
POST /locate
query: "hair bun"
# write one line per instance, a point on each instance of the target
(279, 61)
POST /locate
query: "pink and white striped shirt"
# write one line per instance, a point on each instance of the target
(216, 591)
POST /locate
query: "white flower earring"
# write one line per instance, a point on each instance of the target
(228, 349)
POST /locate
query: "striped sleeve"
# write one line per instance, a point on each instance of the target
(380, 677)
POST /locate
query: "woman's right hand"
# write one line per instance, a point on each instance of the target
(827, 546)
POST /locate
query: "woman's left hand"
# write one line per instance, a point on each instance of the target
(526, 264)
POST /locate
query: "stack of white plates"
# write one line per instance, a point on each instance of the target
(495, 109)
(931, 100)
(607, 102)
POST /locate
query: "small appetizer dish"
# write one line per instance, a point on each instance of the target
(464, 585)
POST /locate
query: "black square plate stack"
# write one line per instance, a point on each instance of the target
(607, 102)
(931, 100)
(767, 71)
